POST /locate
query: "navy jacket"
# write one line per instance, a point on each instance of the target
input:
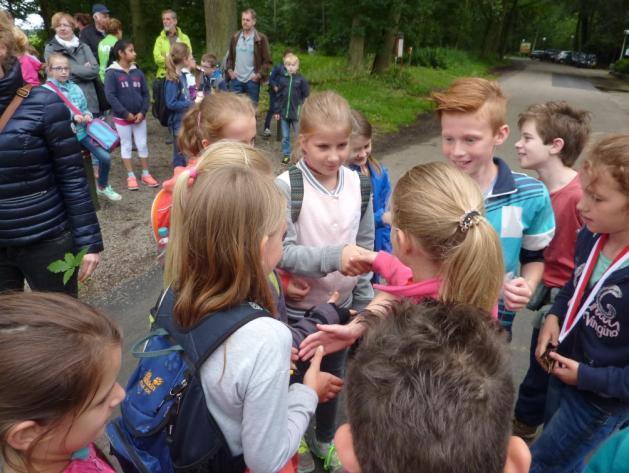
(293, 90)
(43, 186)
(177, 98)
(127, 92)
(600, 340)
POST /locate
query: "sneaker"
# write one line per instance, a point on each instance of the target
(132, 183)
(306, 461)
(109, 193)
(331, 462)
(169, 140)
(267, 132)
(149, 181)
(524, 431)
(286, 159)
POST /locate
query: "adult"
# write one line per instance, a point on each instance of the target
(83, 64)
(249, 58)
(82, 20)
(93, 34)
(45, 205)
(170, 35)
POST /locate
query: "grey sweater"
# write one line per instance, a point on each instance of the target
(245, 382)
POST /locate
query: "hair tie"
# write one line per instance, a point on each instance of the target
(468, 220)
(193, 175)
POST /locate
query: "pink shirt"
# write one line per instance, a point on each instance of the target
(91, 464)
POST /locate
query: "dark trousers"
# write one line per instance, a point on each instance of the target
(532, 393)
(269, 114)
(30, 263)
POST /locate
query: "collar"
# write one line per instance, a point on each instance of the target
(317, 185)
(428, 288)
(177, 32)
(61, 85)
(504, 184)
(117, 67)
(254, 34)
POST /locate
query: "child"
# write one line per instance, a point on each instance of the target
(29, 64)
(245, 380)
(211, 80)
(441, 244)
(553, 135)
(292, 90)
(588, 395)
(319, 245)
(361, 160)
(473, 122)
(177, 93)
(430, 389)
(127, 92)
(114, 34)
(55, 402)
(58, 81)
(277, 71)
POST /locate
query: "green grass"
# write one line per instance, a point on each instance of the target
(393, 99)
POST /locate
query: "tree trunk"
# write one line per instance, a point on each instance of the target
(137, 30)
(220, 24)
(356, 43)
(506, 28)
(382, 60)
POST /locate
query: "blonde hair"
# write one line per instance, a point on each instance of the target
(52, 57)
(7, 37)
(325, 110)
(207, 119)
(21, 41)
(179, 52)
(290, 57)
(361, 127)
(428, 203)
(218, 222)
(610, 153)
(471, 94)
(57, 17)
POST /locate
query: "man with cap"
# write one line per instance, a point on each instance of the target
(93, 34)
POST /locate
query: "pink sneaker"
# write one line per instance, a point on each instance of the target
(132, 183)
(149, 181)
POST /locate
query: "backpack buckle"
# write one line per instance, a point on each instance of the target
(22, 92)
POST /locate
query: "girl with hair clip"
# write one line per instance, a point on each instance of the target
(246, 379)
(128, 94)
(177, 92)
(441, 243)
(55, 403)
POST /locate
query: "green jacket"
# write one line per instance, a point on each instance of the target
(162, 47)
(104, 47)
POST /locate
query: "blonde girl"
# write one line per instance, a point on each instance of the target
(227, 233)
(444, 249)
(59, 361)
(177, 93)
(29, 64)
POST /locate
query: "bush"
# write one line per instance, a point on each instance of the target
(622, 66)
(439, 58)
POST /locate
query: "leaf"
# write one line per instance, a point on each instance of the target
(69, 259)
(58, 266)
(79, 257)
(67, 275)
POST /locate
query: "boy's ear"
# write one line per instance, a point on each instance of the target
(22, 435)
(518, 456)
(501, 135)
(343, 442)
(557, 146)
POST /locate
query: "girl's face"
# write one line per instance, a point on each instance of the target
(325, 151)
(64, 30)
(604, 207)
(272, 249)
(59, 70)
(361, 150)
(190, 63)
(128, 54)
(242, 128)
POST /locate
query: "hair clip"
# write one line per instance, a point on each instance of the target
(192, 175)
(468, 220)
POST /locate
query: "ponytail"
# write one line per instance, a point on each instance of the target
(179, 52)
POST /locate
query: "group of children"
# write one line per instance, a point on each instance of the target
(430, 387)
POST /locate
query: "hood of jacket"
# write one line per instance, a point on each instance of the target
(114, 66)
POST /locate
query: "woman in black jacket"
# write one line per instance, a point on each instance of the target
(45, 205)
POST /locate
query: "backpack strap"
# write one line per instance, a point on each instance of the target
(365, 194)
(66, 100)
(296, 192)
(200, 341)
(20, 94)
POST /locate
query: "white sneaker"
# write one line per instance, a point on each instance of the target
(267, 132)
(109, 193)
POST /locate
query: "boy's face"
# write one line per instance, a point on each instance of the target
(292, 66)
(468, 141)
(208, 67)
(532, 152)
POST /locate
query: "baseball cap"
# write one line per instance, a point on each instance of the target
(99, 8)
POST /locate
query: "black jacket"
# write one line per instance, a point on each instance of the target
(43, 186)
(91, 36)
(292, 91)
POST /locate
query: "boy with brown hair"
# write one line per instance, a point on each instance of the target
(430, 390)
(553, 135)
(473, 122)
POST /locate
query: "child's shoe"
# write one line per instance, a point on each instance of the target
(267, 132)
(326, 451)
(148, 180)
(332, 463)
(132, 183)
(286, 159)
(306, 461)
(109, 193)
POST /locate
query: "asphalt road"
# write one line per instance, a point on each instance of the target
(530, 82)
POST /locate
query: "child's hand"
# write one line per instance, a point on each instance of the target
(365, 256)
(351, 267)
(549, 335)
(326, 385)
(517, 294)
(130, 117)
(139, 117)
(88, 265)
(565, 369)
(276, 89)
(297, 289)
(386, 218)
(294, 356)
(78, 118)
(87, 117)
(332, 337)
(231, 74)
(276, 116)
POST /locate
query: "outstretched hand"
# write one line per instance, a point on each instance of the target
(355, 260)
(332, 337)
(326, 385)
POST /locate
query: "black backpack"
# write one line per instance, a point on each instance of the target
(158, 108)
(165, 425)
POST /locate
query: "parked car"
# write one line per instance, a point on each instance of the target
(549, 54)
(537, 54)
(564, 57)
(590, 60)
(585, 60)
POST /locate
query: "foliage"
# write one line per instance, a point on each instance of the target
(67, 265)
(622, 66)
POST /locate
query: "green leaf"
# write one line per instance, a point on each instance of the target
(58, 266)
(67, 275)
(79, 257)
(69, 259)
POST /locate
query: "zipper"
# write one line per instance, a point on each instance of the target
(290, 90)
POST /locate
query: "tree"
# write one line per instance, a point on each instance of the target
(220, 23)
(382, 61)
(356, 50)
(137, 27)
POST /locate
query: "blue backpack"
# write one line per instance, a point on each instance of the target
(165, 425)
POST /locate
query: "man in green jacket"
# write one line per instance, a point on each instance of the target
(170, 34)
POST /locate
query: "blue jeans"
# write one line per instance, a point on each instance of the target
(100, 156)
(286, 127)
(251, 88)
(573, 428)
(532, 393)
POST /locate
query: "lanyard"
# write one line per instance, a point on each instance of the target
(574, 313)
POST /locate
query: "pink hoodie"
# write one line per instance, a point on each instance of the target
(30, 66)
